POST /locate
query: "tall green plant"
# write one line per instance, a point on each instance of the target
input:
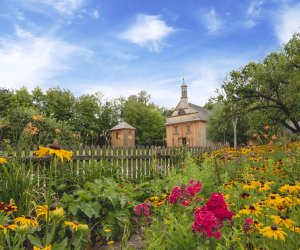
(18, 182)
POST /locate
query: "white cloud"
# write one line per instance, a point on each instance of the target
(254, 8)
(31, 60)
(21, 33)
(212, 22)
(95, 14)
(147, 31)
(248, 24)
(287, 22)
(64, 7)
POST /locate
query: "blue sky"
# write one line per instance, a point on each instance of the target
(120, 47)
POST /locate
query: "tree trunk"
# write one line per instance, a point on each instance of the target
(234, 123)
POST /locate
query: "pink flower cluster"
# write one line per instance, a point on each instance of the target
(209, 218)
(142, 210)
(183, 195)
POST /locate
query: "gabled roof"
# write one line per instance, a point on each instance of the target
(122, 125)
(202, 111)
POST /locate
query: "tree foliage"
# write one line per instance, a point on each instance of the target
(270, 87)
(146, 118)
(39, 117)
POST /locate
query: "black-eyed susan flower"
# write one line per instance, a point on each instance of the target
(76, 225)
(26, 220)
(54, 212)
(263, 188)
(273, 232)
(111, 242)
(48, 247)
(6, 227)
(257, 225)
(248, 186)
(54, 149)
(274, 200)
(245, 195)
(2, 160)
(251, 210)
(291, 188)
(107, 230)
(8, 208)
(282, 221)
(297, 229)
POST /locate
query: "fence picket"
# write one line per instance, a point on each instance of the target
(134, 163)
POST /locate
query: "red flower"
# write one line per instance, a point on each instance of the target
(185, 203)
(248, 221)
(209, 218)
(184, 194)
(218, 206)
(194, 189)
(142, 210)
(206, 222)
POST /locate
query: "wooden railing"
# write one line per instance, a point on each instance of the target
(133, 162)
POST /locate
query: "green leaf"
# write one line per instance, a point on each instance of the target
(61, 246)
(89, 210)
(35, 241)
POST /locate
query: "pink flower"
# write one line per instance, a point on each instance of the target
(206, 222)
(218, 206)
(194, 188)
(185, 203)
(142, 210)
(209, 218)
(184, 194)
(248, 221)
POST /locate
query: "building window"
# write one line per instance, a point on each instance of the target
(181, 112)
(175, 130)
(188, 129)
(118, 135)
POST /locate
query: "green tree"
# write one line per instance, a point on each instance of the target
(59, 104)
(86, 117)
(23, 98)
(220, 127)
(38, 99)
(6, 102)
(271, 87)
(146, 118)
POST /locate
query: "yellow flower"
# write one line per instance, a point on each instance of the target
(56, 150)
(257, 225)
(76, 225)
(111, 242)
(8, 208)
(2, 160)
(297, 229)
(48, 247)
(54, 211)
(273, 232)
(26, 220)
(274, 200)
(263, 188)
(7, 227)
(282, 221)
(38, 117)
(253, 210)
(154, 198)
(290, 188)
(107, 230)
(164, 196)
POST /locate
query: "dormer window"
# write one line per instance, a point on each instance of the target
(181, 112)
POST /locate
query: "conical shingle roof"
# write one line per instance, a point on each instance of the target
(122, 125)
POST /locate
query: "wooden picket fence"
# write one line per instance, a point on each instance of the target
(133, 163)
